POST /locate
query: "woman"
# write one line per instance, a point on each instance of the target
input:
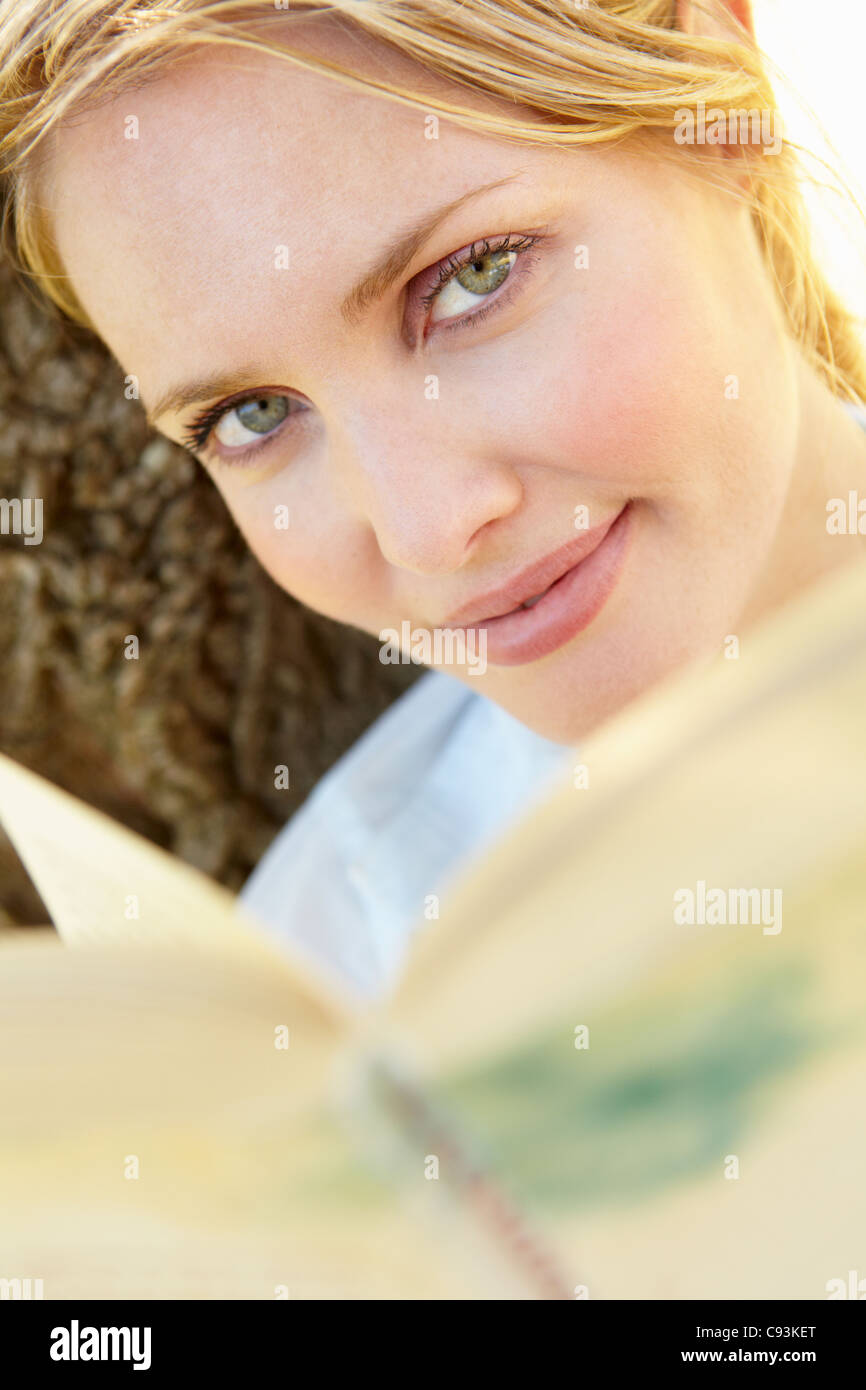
(496, 328)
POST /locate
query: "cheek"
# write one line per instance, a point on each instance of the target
(619, 387)
(637, 384)
(309, 549)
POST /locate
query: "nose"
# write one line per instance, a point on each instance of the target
(428, 495)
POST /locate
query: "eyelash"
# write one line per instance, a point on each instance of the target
(452, 265)
(196, 436)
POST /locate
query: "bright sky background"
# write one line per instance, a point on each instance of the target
(820, 47)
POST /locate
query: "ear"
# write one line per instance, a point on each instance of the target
(721, 23)
(692, 18)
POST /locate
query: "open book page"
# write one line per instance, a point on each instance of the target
(656, 1034)
(102, 883)
(628, 1060)
(187, 1112)
(176, 1124)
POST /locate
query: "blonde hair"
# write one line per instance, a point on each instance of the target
(574, 73)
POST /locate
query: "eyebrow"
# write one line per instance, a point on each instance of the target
(372, 286)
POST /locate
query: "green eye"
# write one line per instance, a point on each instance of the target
(487, 274)
(262, 414)
(462, 286)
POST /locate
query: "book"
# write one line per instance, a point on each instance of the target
(627, 1060)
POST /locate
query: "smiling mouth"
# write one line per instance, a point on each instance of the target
(579, 579)
(534, 582)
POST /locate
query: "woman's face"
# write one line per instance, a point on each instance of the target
(424, 452)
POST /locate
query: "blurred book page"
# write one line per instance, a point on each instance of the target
(627, 1062)
(103, 883)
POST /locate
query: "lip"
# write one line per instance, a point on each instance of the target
(497, 603)
(579, 579)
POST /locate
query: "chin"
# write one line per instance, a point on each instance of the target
(571, 703)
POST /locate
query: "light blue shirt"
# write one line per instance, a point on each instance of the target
(429, 785)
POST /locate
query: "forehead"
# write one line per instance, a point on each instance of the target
(237, 154)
